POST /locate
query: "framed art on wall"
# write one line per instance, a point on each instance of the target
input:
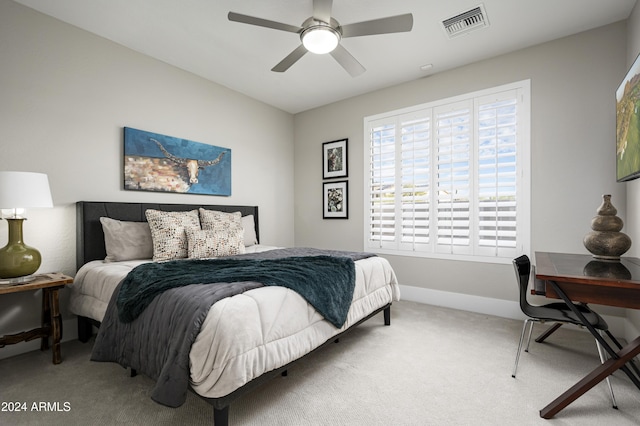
(335, 200)
(628, 125)
(334, 159)
(155, 162)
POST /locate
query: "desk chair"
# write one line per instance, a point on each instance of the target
(554, 312)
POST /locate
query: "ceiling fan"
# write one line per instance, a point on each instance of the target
(321, 34)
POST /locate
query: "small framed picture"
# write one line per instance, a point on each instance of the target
(334, 159)
(335, 200)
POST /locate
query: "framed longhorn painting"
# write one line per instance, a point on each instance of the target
(155, 162)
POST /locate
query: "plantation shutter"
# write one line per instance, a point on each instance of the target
(450, 179)
(453, 142)
(382, 184)
(497, 172)
(415, 171)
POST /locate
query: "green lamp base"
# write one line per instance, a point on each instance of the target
(16, 258)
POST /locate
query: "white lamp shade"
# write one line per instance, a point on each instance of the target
(24, 190)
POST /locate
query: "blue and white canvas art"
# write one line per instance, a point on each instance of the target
(155, 162)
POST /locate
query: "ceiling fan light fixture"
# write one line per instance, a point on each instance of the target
(320, 39)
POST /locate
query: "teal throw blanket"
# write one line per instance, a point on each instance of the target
(326, 282)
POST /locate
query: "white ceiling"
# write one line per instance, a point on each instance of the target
(196, 36)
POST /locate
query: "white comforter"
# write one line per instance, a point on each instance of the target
(249, 334)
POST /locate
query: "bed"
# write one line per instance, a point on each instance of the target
(245, 339)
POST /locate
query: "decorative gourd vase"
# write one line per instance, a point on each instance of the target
(605, 241)
(16, 258)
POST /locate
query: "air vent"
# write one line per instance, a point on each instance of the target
(466, 22)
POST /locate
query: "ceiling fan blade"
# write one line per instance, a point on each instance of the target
(322, 10)
(251, 20)
(348, 62)
(391, 24)
(291, 59)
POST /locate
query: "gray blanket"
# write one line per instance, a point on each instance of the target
(157, 343)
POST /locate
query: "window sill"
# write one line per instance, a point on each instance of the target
(443, 256)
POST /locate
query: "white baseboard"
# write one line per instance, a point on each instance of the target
(70, 332)
(619, 326)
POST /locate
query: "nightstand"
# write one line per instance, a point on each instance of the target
(51, 320)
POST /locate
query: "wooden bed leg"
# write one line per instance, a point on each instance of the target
(85, 329)
(285, 373)
(387, 315)
(221, 416)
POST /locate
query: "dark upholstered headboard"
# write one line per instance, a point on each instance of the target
(89, 235)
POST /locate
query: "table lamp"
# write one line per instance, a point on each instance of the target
(20, 190)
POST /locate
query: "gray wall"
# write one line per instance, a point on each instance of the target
(66, 95)
(573, 81)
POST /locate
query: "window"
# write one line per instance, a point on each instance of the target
(450, 178)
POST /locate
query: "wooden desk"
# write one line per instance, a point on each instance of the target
(51, 324)
(581, 278)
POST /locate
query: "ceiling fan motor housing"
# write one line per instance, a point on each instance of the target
(320, 37)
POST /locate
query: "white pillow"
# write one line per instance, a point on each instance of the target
(249, 226)
(168, 232)
(207, 243)
(126, 240)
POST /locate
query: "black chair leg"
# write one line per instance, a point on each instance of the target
(549, 332)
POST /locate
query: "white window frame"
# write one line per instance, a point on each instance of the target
(393, 244)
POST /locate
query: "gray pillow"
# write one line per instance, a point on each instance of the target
(126, 240)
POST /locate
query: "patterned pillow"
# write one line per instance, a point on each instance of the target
(213, 220)
(208, 243)
(168, 232)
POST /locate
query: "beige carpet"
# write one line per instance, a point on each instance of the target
(432, 366)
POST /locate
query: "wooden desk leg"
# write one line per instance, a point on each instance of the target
(592, 379)
(56, 327)
(635, 379)
(46, 318)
